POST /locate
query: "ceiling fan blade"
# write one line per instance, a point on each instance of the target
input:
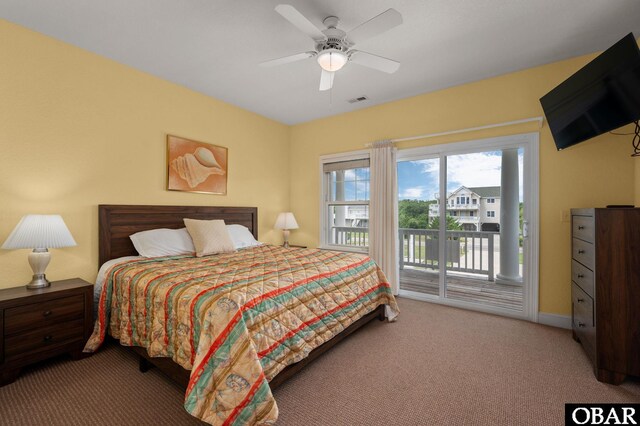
(326, 80)
(299, 21)
(288, 59)
(374, 61)
(375, 26)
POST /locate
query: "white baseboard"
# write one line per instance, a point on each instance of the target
(555, 320)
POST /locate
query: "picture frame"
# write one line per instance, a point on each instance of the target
(194, 166)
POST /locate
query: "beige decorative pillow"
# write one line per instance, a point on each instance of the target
(209, 236)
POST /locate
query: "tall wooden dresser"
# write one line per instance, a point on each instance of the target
(605, 289)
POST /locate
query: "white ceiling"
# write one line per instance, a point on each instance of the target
(214, 46)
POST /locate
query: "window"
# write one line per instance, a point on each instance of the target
(346, 204)
(474, 201)
(491, 200)
(491, 213)
(472, 214)
(467, 200)
(454, 213)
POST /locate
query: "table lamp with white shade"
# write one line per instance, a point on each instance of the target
(40, 233)
(286, 221)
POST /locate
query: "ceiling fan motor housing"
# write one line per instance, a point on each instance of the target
(336, 38)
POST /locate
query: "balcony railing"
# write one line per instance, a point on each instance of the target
(463, 207)
(351, 236)
(466, 251)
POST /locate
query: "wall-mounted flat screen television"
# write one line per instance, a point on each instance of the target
(600, 97)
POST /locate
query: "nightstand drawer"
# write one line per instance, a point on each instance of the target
(38, 315)
(39, 324)
(46, 338)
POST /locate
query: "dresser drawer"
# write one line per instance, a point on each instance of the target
(583, 227)
(43, 339)
(583, 252)
(583, 319)
(582, 276)
(38, 315)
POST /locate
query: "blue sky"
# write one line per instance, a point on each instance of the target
(418, 179)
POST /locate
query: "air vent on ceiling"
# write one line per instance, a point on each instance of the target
(358, 99)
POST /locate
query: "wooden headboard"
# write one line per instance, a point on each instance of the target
(117, 222)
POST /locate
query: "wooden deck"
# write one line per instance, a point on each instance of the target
(475, 290)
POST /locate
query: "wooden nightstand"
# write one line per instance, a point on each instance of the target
(38, 324)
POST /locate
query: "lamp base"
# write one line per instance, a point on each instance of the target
(39, 259)
(285, 235)
(39, 281)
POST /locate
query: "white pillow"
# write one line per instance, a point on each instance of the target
(209, 236)
(241, 236)
(163, 242)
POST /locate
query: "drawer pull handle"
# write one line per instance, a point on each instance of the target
(580, 300)
(580, 251)
(46, 313)
(580, 227)
(580, 276)
(581, 324)
(48, 338)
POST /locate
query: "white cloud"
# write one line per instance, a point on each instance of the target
(414, 193)
(476, 169)
(471, 170)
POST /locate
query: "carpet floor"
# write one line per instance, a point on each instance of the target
(436, 365)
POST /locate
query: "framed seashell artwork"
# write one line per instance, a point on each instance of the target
(194, 166)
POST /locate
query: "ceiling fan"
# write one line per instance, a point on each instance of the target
(334, 47)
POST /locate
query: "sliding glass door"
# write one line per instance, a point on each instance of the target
(464, 215)
(418, 228)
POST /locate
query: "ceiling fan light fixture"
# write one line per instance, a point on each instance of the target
(332, 59)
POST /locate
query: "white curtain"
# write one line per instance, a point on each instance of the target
(383, 215)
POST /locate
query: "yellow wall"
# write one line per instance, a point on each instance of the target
(594, 173)
(78, 130)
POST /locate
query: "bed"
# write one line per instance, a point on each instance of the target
(232, 346)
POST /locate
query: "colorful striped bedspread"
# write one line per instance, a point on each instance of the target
(236, 320)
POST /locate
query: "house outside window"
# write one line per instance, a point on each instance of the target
(346, 204)
(471, 206)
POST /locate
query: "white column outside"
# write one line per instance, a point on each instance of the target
(509, 219)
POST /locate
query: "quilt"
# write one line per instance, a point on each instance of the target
(235, 320)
